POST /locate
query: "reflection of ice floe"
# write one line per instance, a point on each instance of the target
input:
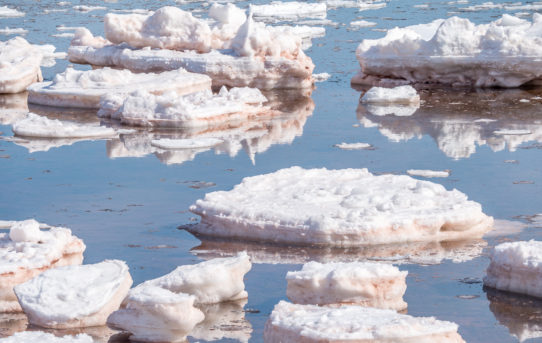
(223, 321)
(13, 107)
(522, 315)
(460, 120)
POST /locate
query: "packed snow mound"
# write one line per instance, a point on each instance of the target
(346, 207)
(83, 89)
(45, 337)
(311, 323)
(516, 267)
(75, 296)
(19, 65)
(455, 51)
(405, 95)
(154, 314)
(361, 283)
(213, 281)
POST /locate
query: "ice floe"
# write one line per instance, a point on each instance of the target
(7, 12)
(368, 284)
(289, 11)
(19, 65)
(13, 31)
(362, 23)
(83, 89)
(353, 146)
(339, 207)
(28, 251)
(45, 337)
(75, 296)
(455, 51)
(403, 95)
(428, 173)
(311, 323)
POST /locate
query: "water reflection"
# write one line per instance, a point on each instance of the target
(223, 320)
(522, 315)
(460, 120)
(13, 107)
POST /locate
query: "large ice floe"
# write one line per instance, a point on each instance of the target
(19, 65)
(339, 207)
(289, 11)
(233, 49)
(83, 89)
(45, 337)
(75, 296)
(455, 51)
(28, 251)
(368, 284)
(516, 267)
(312, 323)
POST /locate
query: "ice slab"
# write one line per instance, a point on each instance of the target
(13, 31)
(455, 51)
(428, 173)
(7, 12)
(83, 89)
(212, 281)
(19, 65)
(289, 11)
(346, 207)
(368, 284)
(362, 23)
(311, 323)
(44, 337)
(402, 95)
(223, 321)
(354, 146)
(154, 314)
(28, 251)
(59, 299)
(516, 267)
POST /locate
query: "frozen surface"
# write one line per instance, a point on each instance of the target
(360, 283)
(59, 299)
(516, 267)
(83, 89)
(154, 314)
(428, 173)
(403, 95)
(19, 65)
(291, 11)
(455, 51)
(45, 337)
(7, 12)
(348, 207)
(311, 323)
(212, 281)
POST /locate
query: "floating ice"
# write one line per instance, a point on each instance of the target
(45, 337)
(75, 296)
(403, 95)
(19, 65)
(289, 11)
(154, 314)
(83, 89)
(361, 283)
(83, 8)
(212, 281)
(371, 5)
(321, 77)
(311, 323)
(428, 173)
(516, 267)
(353, 146)
(28, 251)
(346, 207)
(362, 23)
(504, 53)
(10, 12)
(14, 31)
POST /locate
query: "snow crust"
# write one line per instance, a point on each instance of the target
(212, 281)
(455, 51)
(7, 12)
(58, 298)
(45, 337)
(404, 95)
(361, 283)
(428, 173)
(311, 323)
(19, 65)
(516, 267)
(83, 89)
(289, 11)
(339, 207)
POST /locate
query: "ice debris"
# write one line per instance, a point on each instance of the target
(19, 65)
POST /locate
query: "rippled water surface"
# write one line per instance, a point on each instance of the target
(126, 199)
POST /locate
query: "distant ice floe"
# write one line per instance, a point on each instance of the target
(428, 173)
(85, 9)
(360, 4)
(321, 77)
(312, 323)
(13, 31)
(45, 337)
(346, 207)
(289, 11)
(7, 12)
(455, 51)
(353, 146)
(362, 23)
(19, 65)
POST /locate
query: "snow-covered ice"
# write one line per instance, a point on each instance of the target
(402, 95)
(368, 284)
(353, 146)
(45, 337)
(83, 89)
(346, 207)
(155, 314)
(362, 23)
(75, 296)
(311, 323)
(516, 267)
(28, 251)
(428, 173)
(455, 51)
(7, 12)
(19, 65)
(289, 11)
(212, 281)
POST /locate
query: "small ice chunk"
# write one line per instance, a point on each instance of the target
(321, 77)
(14, 31)
(516, 267)
(290, 11)
(371, 5)
(10, 12)
(428, 173)
(25, 231)
(213, 281)
(361, 283)
(404, 95)
(311, 323)
(362, 23)
(45, 337)
(155, 314)
(85, 9)
(75, 296)
(353, 146)
(19, 65)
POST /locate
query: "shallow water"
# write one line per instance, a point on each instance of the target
(126, 200)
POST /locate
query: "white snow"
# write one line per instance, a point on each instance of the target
(154, 314)
(10, 12)
(516, 267)
(361, 283)
(353, 146)
(45, 337)
(339, 207)
(428, 173)
(455, 51)
(19, 65)
(212, 281)
(403, 95)
(289, 11)
(75, 296)
(13, 31)
(311, 323)
(362, 23)
(83, 89)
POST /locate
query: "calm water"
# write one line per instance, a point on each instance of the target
(126, 201)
